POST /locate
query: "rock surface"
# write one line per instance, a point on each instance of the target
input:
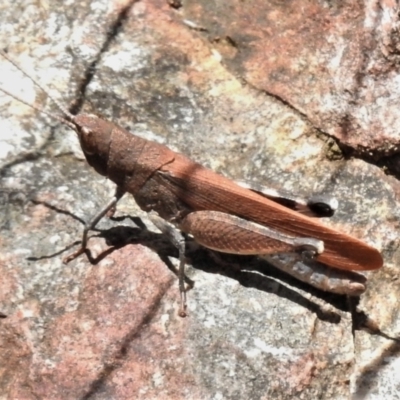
(275, 93)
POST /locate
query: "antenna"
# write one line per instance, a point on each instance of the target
(69, 118)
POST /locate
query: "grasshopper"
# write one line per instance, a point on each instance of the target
(220, 214)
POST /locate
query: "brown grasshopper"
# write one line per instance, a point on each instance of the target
(220, 214)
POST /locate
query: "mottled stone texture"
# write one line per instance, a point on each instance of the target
(274, 92)
(334, 62)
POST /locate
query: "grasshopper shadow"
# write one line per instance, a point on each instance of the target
(249, 271)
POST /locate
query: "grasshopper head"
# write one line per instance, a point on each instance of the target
(95, 138)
